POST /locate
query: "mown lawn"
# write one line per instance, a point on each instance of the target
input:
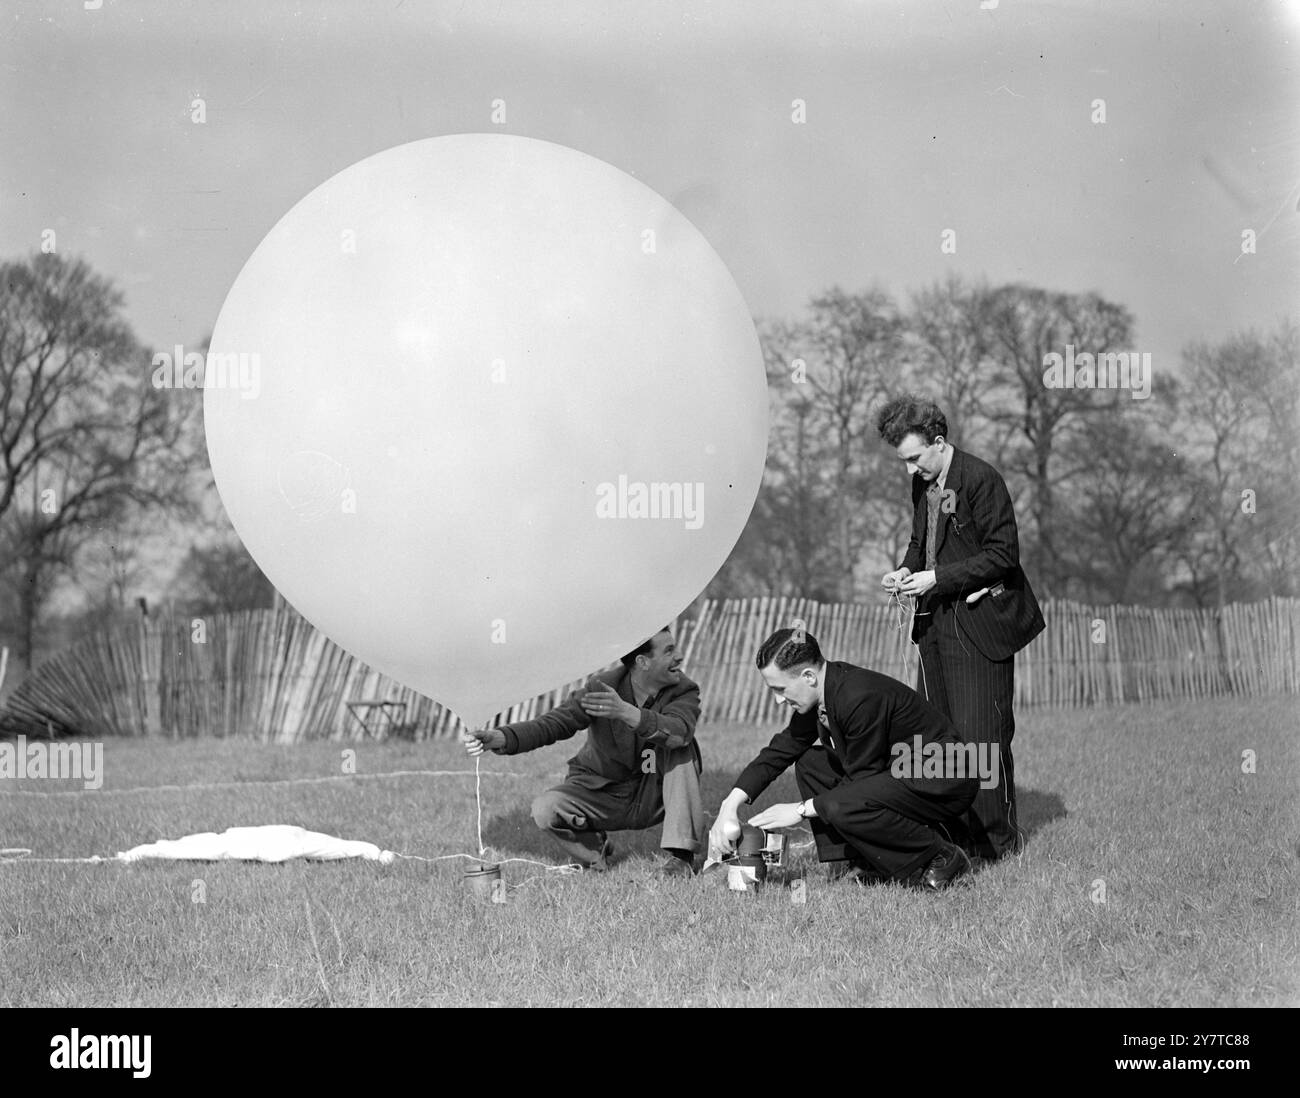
(1200, 864)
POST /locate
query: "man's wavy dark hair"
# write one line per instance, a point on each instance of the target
(785, 653)
(643, 649)
(909, 414)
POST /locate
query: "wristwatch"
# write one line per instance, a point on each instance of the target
(802, 814)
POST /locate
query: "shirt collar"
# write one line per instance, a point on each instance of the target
(947, 463)
(821, 706)
(626, 692)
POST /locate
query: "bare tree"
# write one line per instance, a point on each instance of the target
(1277, 537)
(83, 434)
(1127, 499)
(838, 365)
(1240, 412)
(1122, 524)
(1025, 325)
(220, 578)
(950, 340)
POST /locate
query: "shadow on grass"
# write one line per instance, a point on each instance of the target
(515, 833)
(1035, 810)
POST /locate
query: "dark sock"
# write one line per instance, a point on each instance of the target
(681, 855)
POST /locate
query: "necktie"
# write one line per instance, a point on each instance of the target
(824, 721)
(932, 494)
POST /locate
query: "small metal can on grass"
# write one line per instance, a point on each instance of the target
(774, 848)
(746, 873)
(482, 880)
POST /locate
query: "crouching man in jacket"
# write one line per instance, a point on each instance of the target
(639, 766)
(848, 738)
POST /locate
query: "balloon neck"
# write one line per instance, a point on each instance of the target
(473, 722)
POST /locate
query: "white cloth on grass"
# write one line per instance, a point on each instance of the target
(268, 843)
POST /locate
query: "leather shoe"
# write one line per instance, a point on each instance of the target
(853, 871)
(944, 868)
(674, 867)
(602, 861)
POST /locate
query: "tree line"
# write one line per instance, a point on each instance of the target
(101, 474)
(1178, 497)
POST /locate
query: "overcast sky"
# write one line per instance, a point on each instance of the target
(920, 117)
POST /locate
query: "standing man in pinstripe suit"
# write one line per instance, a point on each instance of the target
(975, 607)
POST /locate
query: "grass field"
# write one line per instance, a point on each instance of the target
(1200, 864)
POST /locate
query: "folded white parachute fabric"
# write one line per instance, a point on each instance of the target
(268, 843)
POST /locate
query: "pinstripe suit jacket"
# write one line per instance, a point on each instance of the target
(977, 546)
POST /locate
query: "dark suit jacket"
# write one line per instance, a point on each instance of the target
(613, 750)
(867, 712)
(978, 546)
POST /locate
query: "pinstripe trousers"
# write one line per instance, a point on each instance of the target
(975, 693)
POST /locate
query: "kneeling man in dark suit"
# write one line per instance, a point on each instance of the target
(850, 738)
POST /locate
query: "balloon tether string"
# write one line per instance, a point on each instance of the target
(478, 803)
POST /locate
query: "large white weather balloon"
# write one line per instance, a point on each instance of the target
(501, 414)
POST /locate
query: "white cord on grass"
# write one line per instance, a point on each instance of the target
(20, 854)
(14, 855)
(241, 785)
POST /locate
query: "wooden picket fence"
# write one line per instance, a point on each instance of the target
(263, 673)
(1085, 655)
(269, 674)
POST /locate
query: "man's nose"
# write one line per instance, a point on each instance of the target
(912, 467)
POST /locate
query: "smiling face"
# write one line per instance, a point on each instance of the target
(800, 688)
(662, 666)
(922, 458)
